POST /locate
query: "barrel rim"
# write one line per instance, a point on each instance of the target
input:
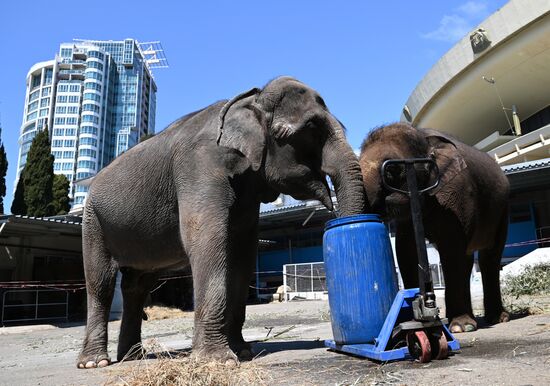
(356, 218)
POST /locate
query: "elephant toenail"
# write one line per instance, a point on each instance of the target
(456, 329)
(90, 365)
(469, 328)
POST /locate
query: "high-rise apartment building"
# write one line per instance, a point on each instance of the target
(97, 99)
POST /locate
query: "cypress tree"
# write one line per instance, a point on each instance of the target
(60, 203)
(3, 171)
(38, 176)
(18, 204)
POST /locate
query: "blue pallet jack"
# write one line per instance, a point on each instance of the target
(412, 328)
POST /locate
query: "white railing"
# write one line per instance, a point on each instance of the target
(305, 281)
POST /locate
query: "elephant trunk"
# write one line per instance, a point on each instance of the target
(342, 165)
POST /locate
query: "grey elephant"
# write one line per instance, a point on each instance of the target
(191, 195)
(468, 211)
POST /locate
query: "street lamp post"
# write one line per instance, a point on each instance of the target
(516, 127)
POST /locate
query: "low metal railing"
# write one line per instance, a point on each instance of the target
(23, 305)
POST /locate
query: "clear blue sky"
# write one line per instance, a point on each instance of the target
(364, 57)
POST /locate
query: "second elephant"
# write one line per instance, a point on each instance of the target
(468, 211)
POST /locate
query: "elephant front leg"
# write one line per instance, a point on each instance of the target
(457, 269)
(244, 250)
(407, 258)
(212, 297)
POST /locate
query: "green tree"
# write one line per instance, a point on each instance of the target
(60, 203)
(3, 171)
(18, 204)
(38, 176)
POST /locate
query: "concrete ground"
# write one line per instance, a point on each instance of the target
(514, 353)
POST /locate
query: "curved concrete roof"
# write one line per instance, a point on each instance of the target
(453, 96)
(39, 66)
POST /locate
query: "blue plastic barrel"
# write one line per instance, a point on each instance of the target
(361, 278)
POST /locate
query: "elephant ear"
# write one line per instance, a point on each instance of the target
(241, 126)
(451, 164)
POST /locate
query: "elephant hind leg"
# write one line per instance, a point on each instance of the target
(489, 264)
(135, 286)
(100, 270)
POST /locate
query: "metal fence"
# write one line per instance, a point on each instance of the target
(305, 280)
(24, 305)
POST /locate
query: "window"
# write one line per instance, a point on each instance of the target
(67, 166)
(62, 87)
(56, 166)
(43, 113)
(94, 75)
(32, 116)
(74, 98)
(62, 99)
(72, 121)
(57, 143)
(56, 154)
(34, 95)
(35, 81)
(74, 88)
(48, 76)
(70, 132)
(92, 96)
(78, 200)
(87, 153)
(32, 106)
(66, 52)
(82, 175)
(72, 110)
(58, 132)
(69, 143)
(59, 121)
(68, 154)
(90, 107)
(86, 164)
(88, 141)
(46, 91)
(95, 54)
(60, 109)
(94, 64)
(88, 130)
(81, 189)
(92, 86)
(45, 102)
(90, 118)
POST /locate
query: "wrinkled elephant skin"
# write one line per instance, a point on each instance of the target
(191, 196)
(468, 211)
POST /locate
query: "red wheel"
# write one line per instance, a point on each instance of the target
(438, 342)
(443, 347)
(419, 346)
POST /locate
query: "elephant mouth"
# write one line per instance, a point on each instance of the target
(397, 208)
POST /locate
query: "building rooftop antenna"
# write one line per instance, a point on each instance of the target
(153, 53)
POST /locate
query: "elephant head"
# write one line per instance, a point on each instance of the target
(404, 141)
(290, 138)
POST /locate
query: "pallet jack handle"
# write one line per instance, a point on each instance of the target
(424, 275)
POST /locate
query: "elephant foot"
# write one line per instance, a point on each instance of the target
(222, 355)
(462, 323)
(501, 317)
(243, 351)
(93, 361)
(135, 352)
